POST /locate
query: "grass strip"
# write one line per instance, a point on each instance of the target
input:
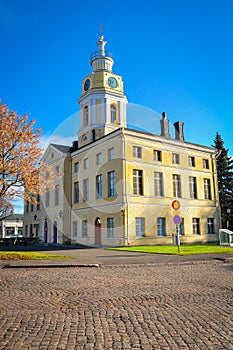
(186, 249)
(31, 256)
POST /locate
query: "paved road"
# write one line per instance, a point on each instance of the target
(180, 305)
(112, 257)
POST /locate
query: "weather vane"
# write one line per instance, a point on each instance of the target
(101, 29)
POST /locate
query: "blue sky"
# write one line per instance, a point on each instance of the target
(174, 56)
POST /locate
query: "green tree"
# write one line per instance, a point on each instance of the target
(225, 181)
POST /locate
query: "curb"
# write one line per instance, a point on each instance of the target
(47, 266)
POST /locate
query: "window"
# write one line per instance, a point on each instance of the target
(110, 227)
(206, 164)
(111, 184)
(158, 184)
(98, 186)
(26, 230)
(140, 227)
(113, 113)
(86, 163)
(47, 199)
(76, 167)
(207, 188)
(210, 223)
(137, 152)
(180, 227)
(56, 199)
(157, 156)
(161, 226)
(110, 153)
(193, 187)
(84, 229)
(85, 190)
(57, 170)
(98, 158)
(137, 182)
(38, 202)
(76, 192)
(192, 161)
(32, 207)
(27, 207)
(85, 116)
(75, 229)
(176, 186)
(175, 158)
(196, 226)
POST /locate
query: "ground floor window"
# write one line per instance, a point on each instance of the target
(140, 227)
(161, 226)
(196, 226)
(210, 223)
(180, 227)
(110, 227)
(84, 228)
(26, 230)
(75, 229)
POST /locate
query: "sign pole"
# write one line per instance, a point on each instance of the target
(177, 221)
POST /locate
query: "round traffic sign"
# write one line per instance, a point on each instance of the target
(177, 219)
(176, 204)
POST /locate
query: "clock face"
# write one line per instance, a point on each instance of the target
(87, 84)
(112, 82)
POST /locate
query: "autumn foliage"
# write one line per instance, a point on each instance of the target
(21, 172)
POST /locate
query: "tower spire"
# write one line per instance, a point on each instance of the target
(101, 60)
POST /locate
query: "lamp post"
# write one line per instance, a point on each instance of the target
(228, 212)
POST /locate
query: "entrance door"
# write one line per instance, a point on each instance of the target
(97, 231)
(46, 231)
(55, 232)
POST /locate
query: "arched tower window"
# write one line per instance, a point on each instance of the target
(113, 113)
(85, 116)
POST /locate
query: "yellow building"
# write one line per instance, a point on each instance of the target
(118, 184)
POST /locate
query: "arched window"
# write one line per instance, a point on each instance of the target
(85, 116)
(113, 114)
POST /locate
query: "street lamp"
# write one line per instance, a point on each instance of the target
(228, 212)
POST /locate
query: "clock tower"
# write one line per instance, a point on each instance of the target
(102, 103)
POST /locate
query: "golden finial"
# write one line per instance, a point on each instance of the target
(101, 32)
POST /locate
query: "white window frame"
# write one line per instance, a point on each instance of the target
(84, 228)
(158, 184)
(176, 181)
(137, 152)
(161, 226)
(138, 182)
(110, 227)
(157, 155)
(75, 229)
(111, 153)
(85, 190)
(99, 186)
(76, 167)
(140, 227)
(85, 163)
(98, 158)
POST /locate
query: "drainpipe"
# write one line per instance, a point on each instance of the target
(125, 196)
(215, 183)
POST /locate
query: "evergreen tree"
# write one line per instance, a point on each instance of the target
(225, 181)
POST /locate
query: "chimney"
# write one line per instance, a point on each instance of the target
(179, 134)
(164, 126)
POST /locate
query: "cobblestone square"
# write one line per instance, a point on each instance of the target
(148, 306)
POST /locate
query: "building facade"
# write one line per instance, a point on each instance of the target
(116, 185)
(12, 226)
